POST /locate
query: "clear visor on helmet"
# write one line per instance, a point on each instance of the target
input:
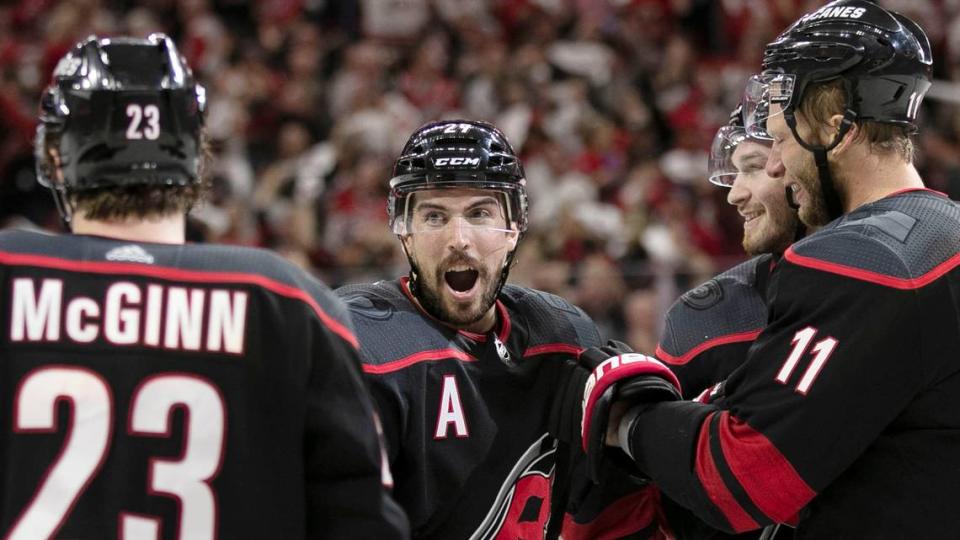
(733, 153)
(483, 214)
(721, 169)
(766, 95)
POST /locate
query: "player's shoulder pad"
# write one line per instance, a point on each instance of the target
(551, 319)
(289, 279)
(904, 241)
(275, 275)
(390, 328)
(727, 308)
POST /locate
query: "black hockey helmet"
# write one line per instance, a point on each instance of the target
(457, 154)
(453, 154)
(120, 112)
(882, 59)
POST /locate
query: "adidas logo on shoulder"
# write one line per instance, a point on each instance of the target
(130, 253)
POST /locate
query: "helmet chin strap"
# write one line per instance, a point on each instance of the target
(828, 189)
(62, 203)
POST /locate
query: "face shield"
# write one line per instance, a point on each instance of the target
(721, 169)
(483, 219)
(765, 96)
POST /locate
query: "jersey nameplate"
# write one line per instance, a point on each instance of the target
(128, 314)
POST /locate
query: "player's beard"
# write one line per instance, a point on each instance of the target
(432, 299)
(813, 210)
(778, 230)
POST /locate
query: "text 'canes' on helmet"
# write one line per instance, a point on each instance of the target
(120, 112)
(452, 154)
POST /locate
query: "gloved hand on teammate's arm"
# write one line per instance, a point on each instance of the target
(566, 413)
(619, 379)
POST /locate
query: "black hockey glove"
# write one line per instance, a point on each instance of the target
(566, 411)
(618, 374)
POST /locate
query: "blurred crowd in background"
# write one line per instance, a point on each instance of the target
(612, 105)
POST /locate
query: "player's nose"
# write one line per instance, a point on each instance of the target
(774, 166)
(459, 235)
(738, 193)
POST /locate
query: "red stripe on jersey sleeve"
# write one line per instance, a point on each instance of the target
(706, 345)
(766, 475)
(626, 516)
(713, 484)
(416, 358)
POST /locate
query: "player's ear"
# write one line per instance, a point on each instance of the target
(833, 129)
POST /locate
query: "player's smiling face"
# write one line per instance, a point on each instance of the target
(459, 240)
(769, 224)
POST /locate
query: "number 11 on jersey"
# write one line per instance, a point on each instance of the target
(821, 350)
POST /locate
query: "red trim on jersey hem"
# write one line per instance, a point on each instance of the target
(714, 486)
(706, 345)
(416, 358)
(180, 274)
(548, 348)
(874, 277)
(768, 478)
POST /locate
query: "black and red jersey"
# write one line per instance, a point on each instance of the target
(709, 329)
(845, 418)
(465, 416)
(180, 391)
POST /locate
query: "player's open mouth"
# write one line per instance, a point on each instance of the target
(749, 219)
(461, 280)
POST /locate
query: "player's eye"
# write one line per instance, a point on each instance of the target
(751, 168)
(434, 219)
(480, 213)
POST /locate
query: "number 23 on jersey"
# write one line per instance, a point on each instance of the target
(87, 442)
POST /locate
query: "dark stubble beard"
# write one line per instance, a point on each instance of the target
(431, 300)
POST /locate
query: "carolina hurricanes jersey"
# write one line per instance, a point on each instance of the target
(162, 391)
(465, 416)
(708, 330)
(845, 418)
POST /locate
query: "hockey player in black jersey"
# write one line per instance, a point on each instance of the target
(709, 329)
(845, 418)
(154, 389)
(465, 367)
